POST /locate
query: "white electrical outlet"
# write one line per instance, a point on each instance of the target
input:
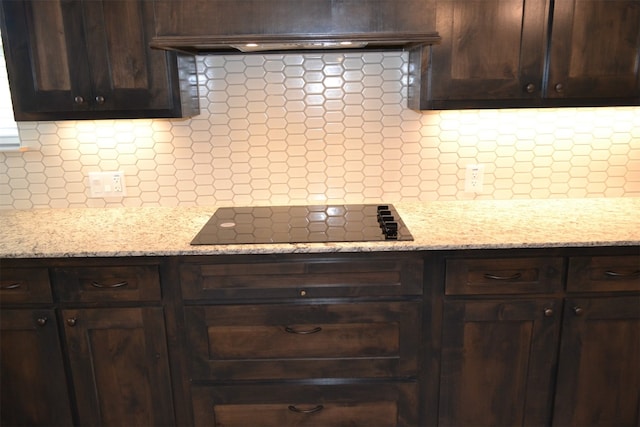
(474, 178)
(107, 184)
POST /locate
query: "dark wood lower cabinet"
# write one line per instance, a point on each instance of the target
(599, 366)
(497, 338)
(120, 368)
(497, 362)
(33, 386)
(365, 404)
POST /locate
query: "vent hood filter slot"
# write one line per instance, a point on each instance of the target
(262, 47)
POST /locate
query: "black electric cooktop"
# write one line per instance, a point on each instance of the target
(303, 224)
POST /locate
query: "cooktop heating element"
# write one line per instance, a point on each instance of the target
(303, 224)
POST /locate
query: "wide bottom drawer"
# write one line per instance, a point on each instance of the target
(371, 405)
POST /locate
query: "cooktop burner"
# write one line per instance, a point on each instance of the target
(303, 224)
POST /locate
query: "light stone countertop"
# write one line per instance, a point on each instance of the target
(167, 231)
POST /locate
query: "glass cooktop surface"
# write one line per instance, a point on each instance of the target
(303, 224)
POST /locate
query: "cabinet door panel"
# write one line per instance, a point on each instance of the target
(120, 366)
(490, 375)
(488, 50)
(599, 365)
(46, 55)
(595, 49)
(33, 386)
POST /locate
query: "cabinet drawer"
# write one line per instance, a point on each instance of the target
(371, 405)
(25, 285)
(107, 283)
(503, 276)
(604, 273)
(303, 341)
(306, 277)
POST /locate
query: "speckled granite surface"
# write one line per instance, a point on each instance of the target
(435, 225)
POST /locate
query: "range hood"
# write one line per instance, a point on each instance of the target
(219, 26)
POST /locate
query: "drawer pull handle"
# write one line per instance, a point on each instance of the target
(622, 275)
(504, 278)
(297, 410)
(115, 285)
(11, 286)
(305, 332)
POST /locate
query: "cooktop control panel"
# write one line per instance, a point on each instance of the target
(303, 224)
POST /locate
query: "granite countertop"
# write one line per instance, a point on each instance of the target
(165, 231)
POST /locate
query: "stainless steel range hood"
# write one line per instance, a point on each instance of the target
(212, 26)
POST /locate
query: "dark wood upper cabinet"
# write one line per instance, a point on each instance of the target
(516, 53)
(76, 59)
(595, 50)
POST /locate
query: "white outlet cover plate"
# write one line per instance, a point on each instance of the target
(107, 184)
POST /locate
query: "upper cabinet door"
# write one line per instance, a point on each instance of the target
(90, 59)
(595, 50)
(491, 50)
(46, 56)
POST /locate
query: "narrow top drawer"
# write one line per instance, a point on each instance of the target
(489, 276)
(107, 283)
(302, 277)
(25, 285)
(604, 273)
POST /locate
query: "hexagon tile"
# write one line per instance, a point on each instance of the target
(326, 127)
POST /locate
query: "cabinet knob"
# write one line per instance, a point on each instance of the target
(41, 321)
(78, 100)
(559, 88)
(100, 99)
(548, 312)
(578, 311)
(530, 88)
(72, 321)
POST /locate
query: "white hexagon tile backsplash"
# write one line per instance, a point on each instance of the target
(316, 128)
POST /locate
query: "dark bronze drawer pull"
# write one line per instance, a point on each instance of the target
(115, 285)
(622, 275)
(318, 408)
(307, 332)
(11, 286)
(504, 278)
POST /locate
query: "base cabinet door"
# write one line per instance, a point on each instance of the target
(33, 387)
(277, 405)
(599, 366)
(119, 364)
(498, 362)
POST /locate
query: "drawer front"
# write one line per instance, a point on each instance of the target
(303, 341)
(604, 273)
(25, 285)
(107, 283)
(302, 277)
(488, 276)
(384, 404)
